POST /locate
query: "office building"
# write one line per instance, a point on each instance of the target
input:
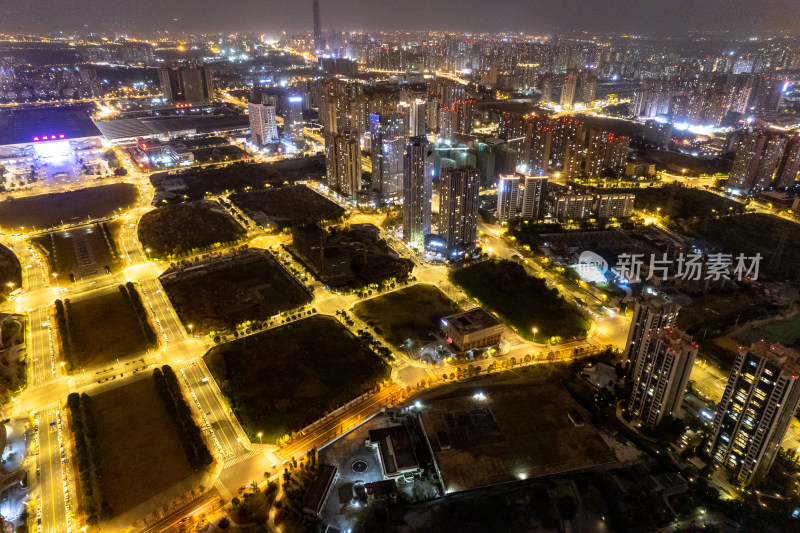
(417, 192)
(507, 197)
(319, 39)
(458, 207)
(661, 367)
(343, 162)
(649, 316)
(186, 84)
(534, 190)
(292, 113)
(756, 409)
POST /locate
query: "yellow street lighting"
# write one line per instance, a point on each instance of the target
(535, 330)
(259, 437)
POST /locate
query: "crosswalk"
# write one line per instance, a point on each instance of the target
(239, 458)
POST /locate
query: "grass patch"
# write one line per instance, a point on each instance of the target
(410, 313)
(523, 300)
(10, 272)
(80, 252)
(104, 328)
(175, 230)
(249, 285)
(283, 379)
(48, 210)
(139, 445)
(756, 233)
(289, 205)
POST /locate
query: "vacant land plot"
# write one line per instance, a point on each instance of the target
(80, 252)
(173, 230)
(48, 210)
(140, 448)
(248, 285)
(281, 380)
(238, 176)
(219, 153)
(411, 313)
(104, 328)
(524, 301)
(10, 272)
(521, 432)
(289, 205)
(757, 233)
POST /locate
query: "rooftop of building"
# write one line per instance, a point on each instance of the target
(779, 354)
(396, 451)
(470, 321)
(129, 128)
(18, 126)
(318, 490)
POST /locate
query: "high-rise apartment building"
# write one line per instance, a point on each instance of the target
(263, 123)
(789, 167)
(572, 206)
(649, 316)
(614, 205)
(587, 84)
(343, 162)
(534, 190)
(758, 404)
(568, 84)
(417, 192)
(507, 197)
(186, 84)
(547, 88)
(388, 146)
(661, 366)
(745, 164)
(458, 206)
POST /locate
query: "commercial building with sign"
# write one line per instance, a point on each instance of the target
(472, 329)
(26, 134)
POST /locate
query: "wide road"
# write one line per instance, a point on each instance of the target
(52, 480)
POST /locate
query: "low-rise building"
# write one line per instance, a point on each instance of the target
(475, 328)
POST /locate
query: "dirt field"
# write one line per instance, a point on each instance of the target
(106, 328)
(81, 252)
(411, 313)
(230, 291)
(140, 450)
(289, 205)
(48, 210)
(285, 378)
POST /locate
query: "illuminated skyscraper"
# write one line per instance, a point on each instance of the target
(319, 40)
(758, 404)
(458, 206)
(417, 192)
(547, 88)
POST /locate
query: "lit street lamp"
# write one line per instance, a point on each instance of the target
(534, 334)
(191, 328)
(259, 438)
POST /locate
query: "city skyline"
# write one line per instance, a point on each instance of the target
(529, 17)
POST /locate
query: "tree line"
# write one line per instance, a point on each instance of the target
(193, 444)
(129, 291)
(66, 333)
(85, 432)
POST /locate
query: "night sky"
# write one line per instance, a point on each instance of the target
(647, 17)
